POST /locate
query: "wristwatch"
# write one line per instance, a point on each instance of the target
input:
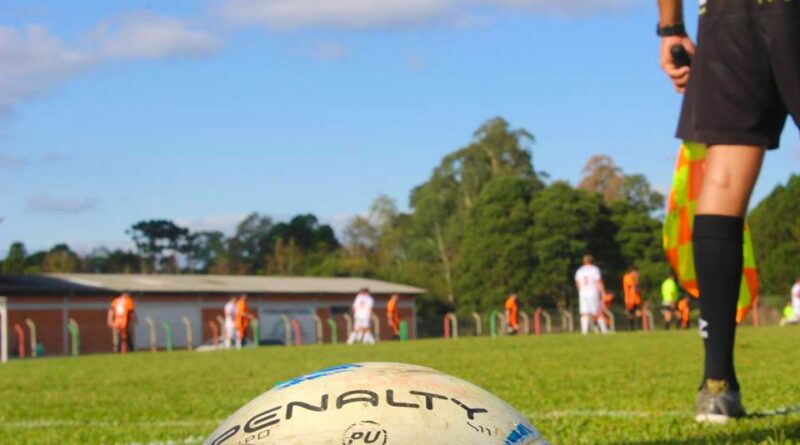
(671, 30)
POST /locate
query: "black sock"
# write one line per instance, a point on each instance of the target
(718, 263)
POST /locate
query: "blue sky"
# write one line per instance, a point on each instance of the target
(111, 112)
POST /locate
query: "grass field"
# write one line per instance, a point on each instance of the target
(621, 389)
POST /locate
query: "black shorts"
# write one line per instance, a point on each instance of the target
(745, 77)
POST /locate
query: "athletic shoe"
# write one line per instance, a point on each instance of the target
(716, 403)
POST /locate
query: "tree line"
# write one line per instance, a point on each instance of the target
(484, 224)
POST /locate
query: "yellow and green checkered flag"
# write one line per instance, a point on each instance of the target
(681, 209)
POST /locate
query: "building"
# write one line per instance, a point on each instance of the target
(50, 301)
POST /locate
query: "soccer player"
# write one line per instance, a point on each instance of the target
(789, 315)
(743, 81)
(230, 322)
(685, 312)
(243, 317)
(669, 299)
(605, 308)
(121, 317)
(362, 314)
(393, 315)
(633, 298)
(796, 297)
(512, 308)
(590, 286)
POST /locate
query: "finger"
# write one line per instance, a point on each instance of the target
(675, 73)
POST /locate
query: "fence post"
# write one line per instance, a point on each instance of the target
(75, 332)
(493, 323)
(376, 327)
(318, 323)
(450, 319)
(20, 340)
(526, 322)
(214, 333)
(256, 332)
(298, 333)
(168, 333)
(189, 337)
(334, 331)
(3, 330)
(537, 321)
(404, 330)
(567, 321)
(349, 322)
(478, 323)
(114, 340)
(502, 328)
(548, 322)
(153, 334)
(647, 320)
(32, 329)
(287, 325)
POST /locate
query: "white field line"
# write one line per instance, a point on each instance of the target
(582, 413)
(64, 423)
(191, 440)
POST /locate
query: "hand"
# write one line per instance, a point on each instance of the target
(679, 76)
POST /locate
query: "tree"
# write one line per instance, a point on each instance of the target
(157, 240)
(61, 259)
(251, 244)
(441, 205)
(14, 264)
(205, 248)
(495, 255)
(568, 223)
(775, 228)
(601, 175)
(638, 236)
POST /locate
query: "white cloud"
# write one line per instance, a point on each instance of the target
(33, 61)
(361, 14)
(222, 223)
(47, 203)
(148, 36)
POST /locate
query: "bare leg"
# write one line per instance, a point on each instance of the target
(731, 173)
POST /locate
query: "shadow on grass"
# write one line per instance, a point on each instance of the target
(776, 435)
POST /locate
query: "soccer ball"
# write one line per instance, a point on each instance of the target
(378, 404)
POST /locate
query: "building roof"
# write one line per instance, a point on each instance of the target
(199, 283)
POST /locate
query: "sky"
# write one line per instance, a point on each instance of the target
(205, 111)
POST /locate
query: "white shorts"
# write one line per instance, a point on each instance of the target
(361, 322)
(230, 327)
(589, 304)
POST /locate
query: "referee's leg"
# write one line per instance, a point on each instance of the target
(731, 172)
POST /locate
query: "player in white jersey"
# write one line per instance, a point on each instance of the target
(796, 298)
(362, 315)
(589, 283)
(230, 322)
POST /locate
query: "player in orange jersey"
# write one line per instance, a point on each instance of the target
(121, 317)
(684, 311)
(605, 309)
(633, 298)
(243, 317)
(512, 319)
(393, 315)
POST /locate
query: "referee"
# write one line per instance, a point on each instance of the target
(743, 82)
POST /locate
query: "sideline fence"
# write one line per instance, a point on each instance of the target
(20, 340)
(153, 334)
(450, 325)
(3, 330)
(75, 333)
(32, 330)
(478, 324)
(187, 324)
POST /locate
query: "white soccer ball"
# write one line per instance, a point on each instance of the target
(378, 404)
